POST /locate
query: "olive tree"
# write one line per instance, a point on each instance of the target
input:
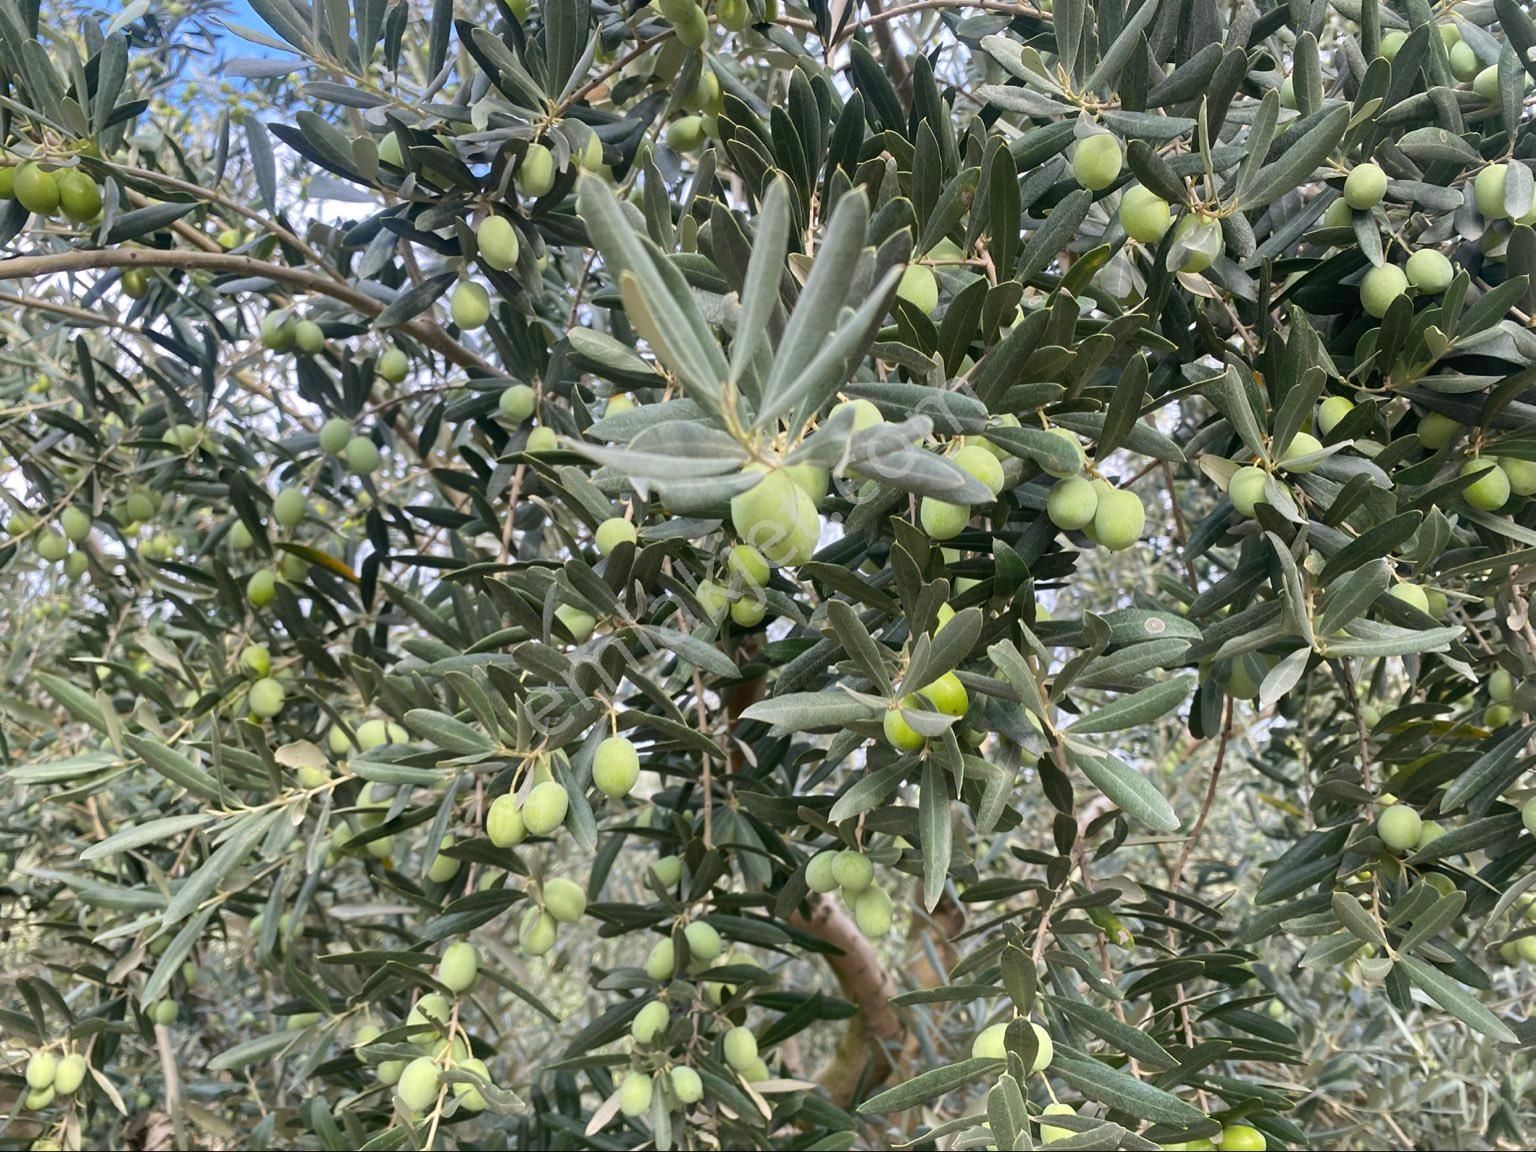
(582, 573)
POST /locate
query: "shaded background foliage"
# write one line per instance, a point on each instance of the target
(1153, 830)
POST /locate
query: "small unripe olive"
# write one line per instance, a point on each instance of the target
(419, 1084)
(668, 870)
(79, 197)
(496, 240)
(1302, 445)
(1096, 163)
(819, 873)
(979, 464)
(687, 1085)
(564, 899)
(35, 190)
(546, 807)
(853, 871)
(1241, 1138)
(537, 934)
(704, 943)
(470, 305)
(1071, 503)
(459, 966)
(1119, 519)
(516, 403)
(1429, 271)
(635, 1094)
(1201, 240)
(612, 532)
(289, 507)
(1488, 191)
(504, 822)
(901, 735)
(51, 546)
(469, 1095)
(541, 439)
(261, 588)
(1521, 473)
(872, 911)
(536, 171)
(615, 767)
(577, 622)
(740, 1046)
(1144, 214)
(1364, 187)
(256, 659)
(1411, 594)
(748, 611)
(692, 26)
(1490, 491)
(920, 288)
(277, 331)
(1246, 489)
(662, 961)
(1464, 62)
(309, 337)
(1051, 1133)
(947, 694)
(334, 434)
(650, 1023)
(991, 1042)
(70, 1074)
(686, 133)
(1380, 288)
(41, 1069)
(1436, 431)
(748, 565)
(267, 698)
(1331, 411)
(394, 365)
(362, 456)
(942, 520)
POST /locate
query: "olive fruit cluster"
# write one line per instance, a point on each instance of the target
(509, 823)
(945, 695)
(853, 873)
(557, 901)
(704, 947)
(777, 517)
(746, 574)
(49, 1076)
(282, 331)
(1111, 517)
(360, 454)
(68, 191)
(1402, 829)
(942, 520)
(419, 1083)
(991, 1043)
(638, 1088)
(689, 24)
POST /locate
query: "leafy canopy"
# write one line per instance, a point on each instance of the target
(767, 575)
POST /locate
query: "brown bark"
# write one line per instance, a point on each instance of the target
(864, 1056)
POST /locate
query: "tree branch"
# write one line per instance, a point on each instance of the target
(81, 260)
(864, 1055)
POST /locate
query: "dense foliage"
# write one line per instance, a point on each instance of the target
(581, 573)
